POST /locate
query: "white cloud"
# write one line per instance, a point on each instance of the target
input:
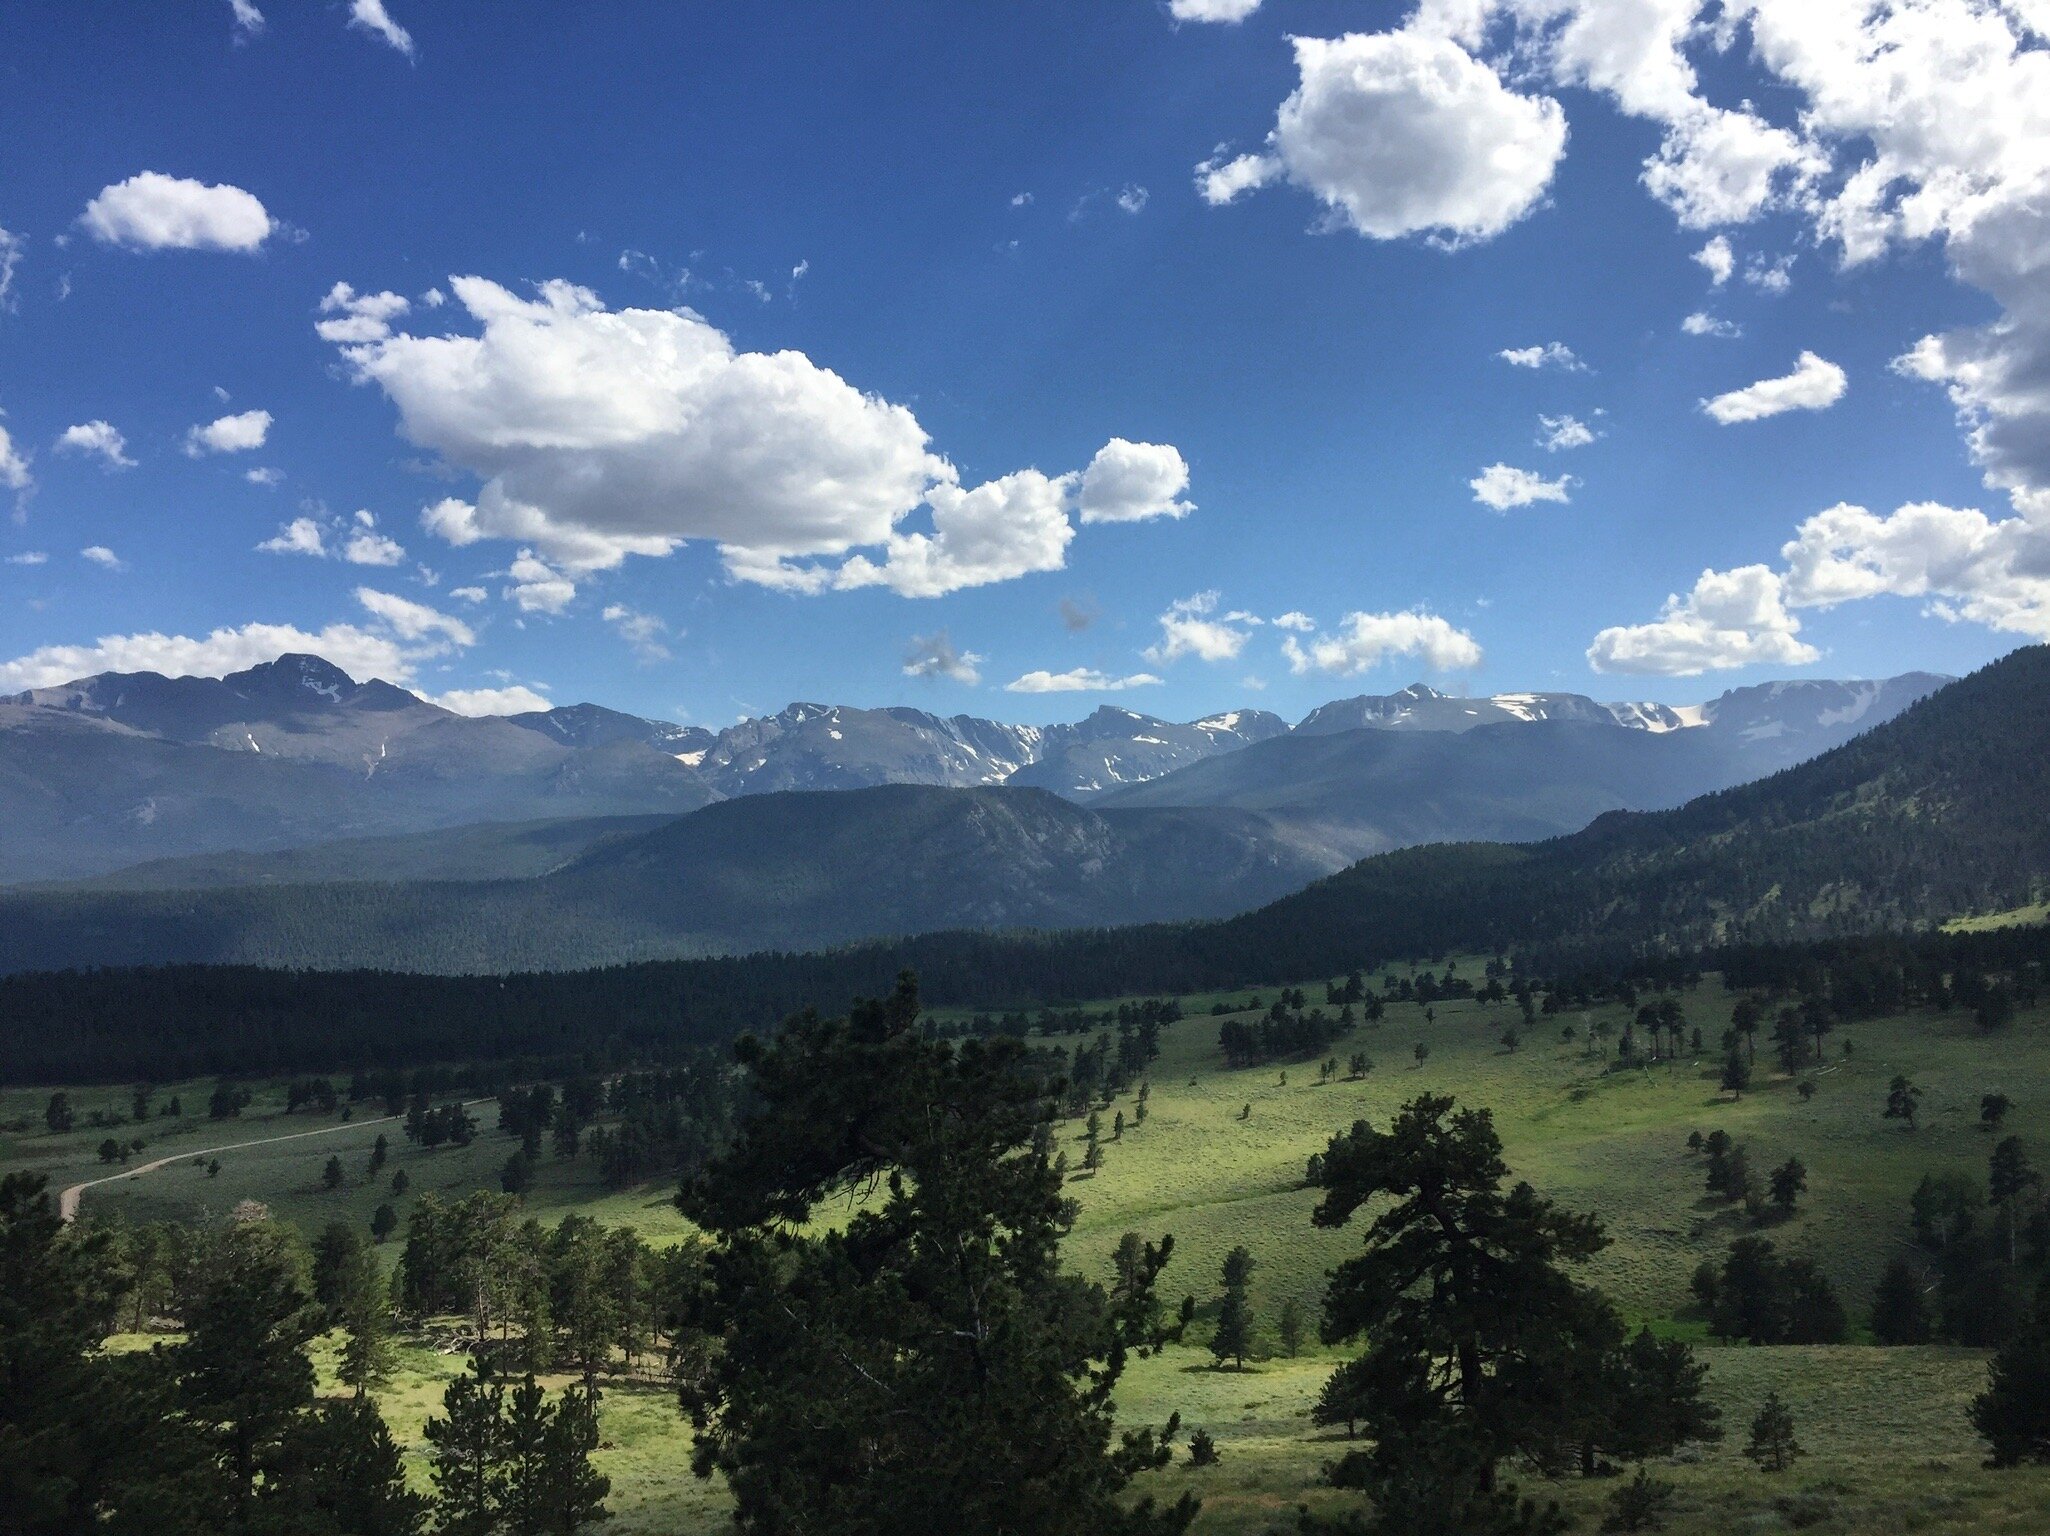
(401, 635)
(1730, 619)
(1079, 680)
(240, 433)
(99, 438)
(248, 19)
(371, 16)
(515, 699)
(1009, 527)
(1552, 354)
(1556, 433)
(413, 621)
(600, 434)
(1188, 629)
(102, 556)
(469, 594)
(1133, 198)
(264, 476)
(1700, 323)
(359, 317)
(1127, 482)
(935, 655)
(155, 212)
(1815, 385)
(1400, 133)
(1967, 565)
(11, 248)
(301, 536)
(536, 586)
(1773, 275)
(1212, 10)
(1297, 621)
(29, 557)
(642, 631)
(1364, 640)
(1021, 199)
(1500, 487)
(366, 548)
(13, 465)
(1718, 259)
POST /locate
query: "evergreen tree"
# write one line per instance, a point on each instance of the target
(467, 1452)
(2013, 1414)
(1788, 1182)
(1772, 1444)
(332, 1176)
(1458, 1290)
(1900, 1314)
(243, 1372)
(1344, 1399)
(1288, 1327)
(342, 1475)
(2009, 1177)
(1903, 1101)
(927, 1365)
(1233, 1338)
(57, 1114)
(383, 1221)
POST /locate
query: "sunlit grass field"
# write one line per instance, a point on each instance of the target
(1219, 1162)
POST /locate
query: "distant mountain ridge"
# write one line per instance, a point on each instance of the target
(121, 769)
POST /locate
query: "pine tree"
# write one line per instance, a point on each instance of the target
(2013, 1414)
(1903, 1100)
(1788, 1182)
(1289, 1327)
(1772, 1444)
(1900, 1314)
(1233, 1338)
(467, 1451)
(343, 1473)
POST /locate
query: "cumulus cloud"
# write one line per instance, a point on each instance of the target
(242, 432)
(359, 317)
(1551, 354)
(13, 464)
(1129, 482)
(1968, 566)
(600, 434)
(1729, 619)
(536, 587)
(469, 594)
(264, 476)
(378, 649)
(1402, 133)
(155, 212)
(1133, 198)
(370, 16)
(416, 622)
(1363, 640)
(642, 631)
(104, 557)
(11, 248)
(1717, 259)
(1079, 680)
(301, 536)
(1773, 275)
(1700, 323)
(29, 557)
(1297, 621)
(1192, 627)
(1557, 433)
(514, 699)
(1815, 385)
(1500, 487)
(1212, 10)
(936, 655)
(365, 547)
(248, 19)
(99, 439)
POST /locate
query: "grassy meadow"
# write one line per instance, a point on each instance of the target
(1219, 1162)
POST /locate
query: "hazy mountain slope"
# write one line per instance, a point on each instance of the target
(784, 871)
(1355, 793)
(489, 850)
(593, 725)
(122, 769)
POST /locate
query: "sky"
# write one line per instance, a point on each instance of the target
(1016, 358)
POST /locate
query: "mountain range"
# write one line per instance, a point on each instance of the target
(1254, 812)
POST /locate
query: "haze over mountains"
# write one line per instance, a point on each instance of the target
(383, 829)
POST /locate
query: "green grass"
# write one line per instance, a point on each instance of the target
(2018, 917)
(1889, 1447)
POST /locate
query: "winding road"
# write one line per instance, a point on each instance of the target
(67, 1200)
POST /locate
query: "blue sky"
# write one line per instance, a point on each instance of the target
(1093, 338)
